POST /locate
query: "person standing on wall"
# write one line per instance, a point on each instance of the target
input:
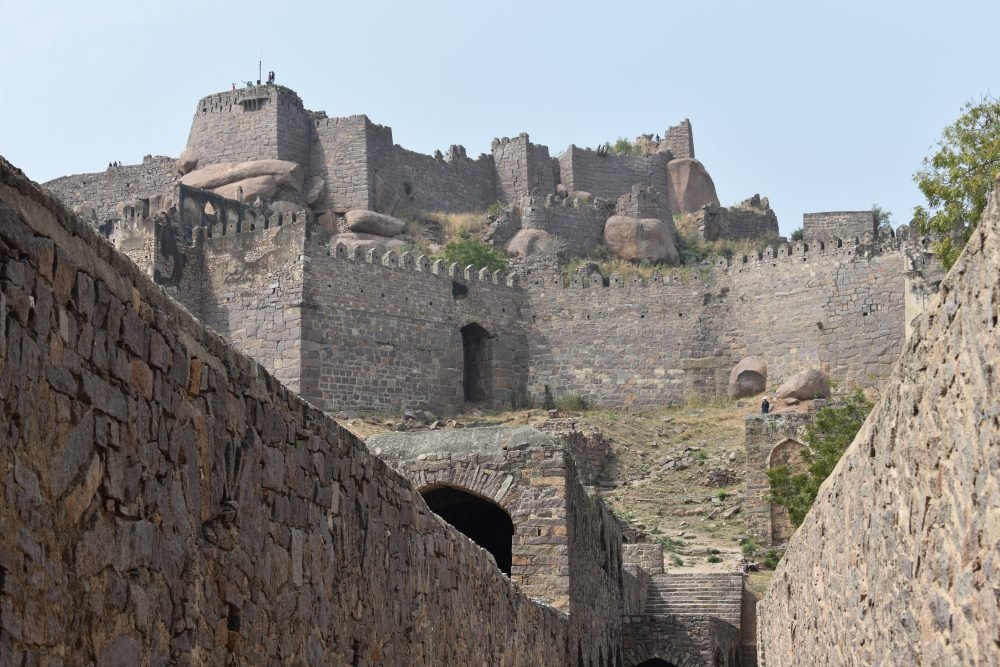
(765, 406)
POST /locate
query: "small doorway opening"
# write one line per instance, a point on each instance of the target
(476, 381)
(482, 521)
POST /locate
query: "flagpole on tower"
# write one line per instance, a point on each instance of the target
(260, 67)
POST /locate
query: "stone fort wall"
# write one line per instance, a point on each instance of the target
(103, 190)
(639, 344)
(837, 224)
(896, 563)
(610, 175)
(206, 513)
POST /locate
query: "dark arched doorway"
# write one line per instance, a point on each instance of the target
(476, 381)
(656, 662)
(485, 523)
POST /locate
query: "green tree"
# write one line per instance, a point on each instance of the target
(468, 250)
(798, 234)
(827, 438)
(957, 179)
(883, 218)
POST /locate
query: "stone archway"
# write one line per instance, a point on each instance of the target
(481, 520)
(477, 381)
(787, 452)
(656, 662)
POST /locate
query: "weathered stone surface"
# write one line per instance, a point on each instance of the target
(531, 243)
(370, 222)
(897, 562)
(366, 241)
(251, 189)
(187, 162)
(85, 212)
(805, 385)
(279, 172)
(748, 377)
(689, 186)
(315, 190)
(640, 239)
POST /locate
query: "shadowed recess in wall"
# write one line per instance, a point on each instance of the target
(483, 522)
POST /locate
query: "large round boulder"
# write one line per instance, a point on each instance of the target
(689, 187)
(636, 239)
(283, 173)
(748, 378)
(187, 162)
(370, 222)
(805, 386)
(531, 243)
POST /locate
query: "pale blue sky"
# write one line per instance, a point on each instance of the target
(817, 105)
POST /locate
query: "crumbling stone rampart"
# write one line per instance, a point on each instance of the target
(897, 562)
(839, 224)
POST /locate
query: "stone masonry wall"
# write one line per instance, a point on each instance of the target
(837, 224)
(679, 139)
(644, 344)
(578, 226)
(340, 158)
(105, 189)
(762, 434)
(388, 335)
(407, 180)
(167, 501)
(897, 562)
(735, 223)
(255, 123)
(611, 175)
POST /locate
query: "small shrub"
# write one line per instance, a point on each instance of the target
(714, 559)
(548, 401)
(496, 208)
(714, 552)
(671, 545)
(676, 560)
(520, 399)
(798, 234)
(701, 456)
(622, 146)
(722, 495)
(750, 548)
(572, 403)
(469, 250)
(771, 559)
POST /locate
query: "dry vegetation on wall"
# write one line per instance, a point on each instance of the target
(694, 249)
(676, 474)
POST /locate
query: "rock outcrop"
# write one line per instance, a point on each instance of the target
(366, 241)
(898, 561)
(690, 186)
(636, 239)
(748, 377)
(531, 243)
(258, 179)
(804, 386)
(370, 222)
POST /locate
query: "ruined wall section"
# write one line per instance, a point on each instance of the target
(522, 168)
(403, 179)
(898, 559)
(610, 175)
(254, 123)
(577, 225)
(104, 190)
(837, 224)
(761, 435)
(384, 332)
(737, 223)
(340, 157)
(210, 515)
(679, 140)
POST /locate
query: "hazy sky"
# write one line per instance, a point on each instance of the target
(817, 105)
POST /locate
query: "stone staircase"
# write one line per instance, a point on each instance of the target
(697, 594)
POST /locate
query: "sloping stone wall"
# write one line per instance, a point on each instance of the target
(898, 560)
(168, 501)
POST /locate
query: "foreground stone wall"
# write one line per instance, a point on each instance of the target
(898, 560)
(167, 501)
